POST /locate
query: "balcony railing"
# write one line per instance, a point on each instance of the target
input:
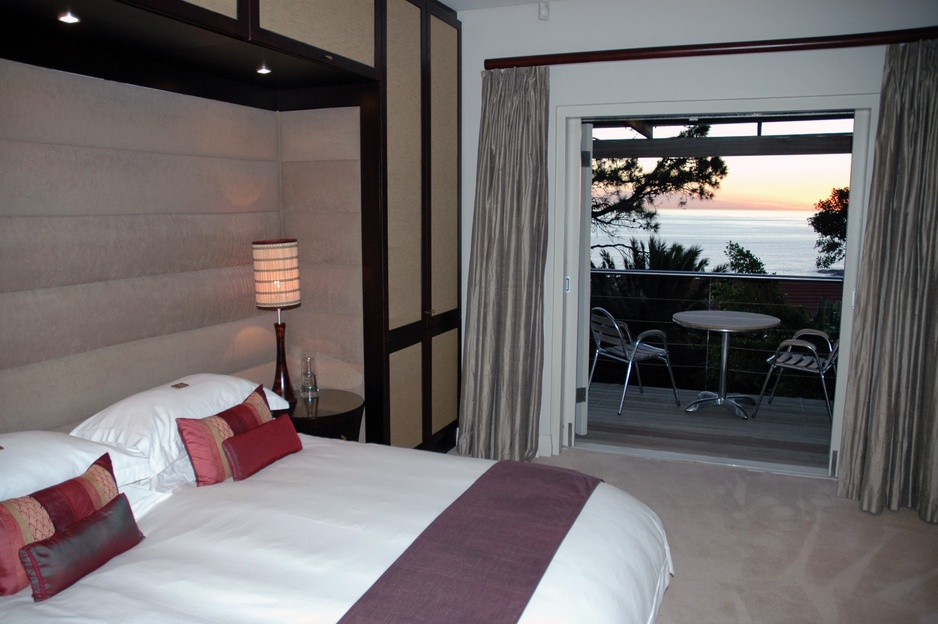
(647, 299)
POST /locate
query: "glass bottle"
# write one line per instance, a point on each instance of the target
(309, 387)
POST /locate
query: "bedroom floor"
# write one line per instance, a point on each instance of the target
(791, 431)
(757, 547)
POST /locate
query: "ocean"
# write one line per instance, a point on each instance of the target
(781, 239)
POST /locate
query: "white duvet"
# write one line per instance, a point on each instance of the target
(304, 538)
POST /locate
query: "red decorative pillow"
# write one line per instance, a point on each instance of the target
(252, 451)
(40, 515)
(55, 563)
(203, 437)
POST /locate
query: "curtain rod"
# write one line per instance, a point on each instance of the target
(711, 49)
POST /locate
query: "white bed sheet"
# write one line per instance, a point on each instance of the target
(303, 539)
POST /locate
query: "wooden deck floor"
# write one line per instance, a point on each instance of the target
(790, 431)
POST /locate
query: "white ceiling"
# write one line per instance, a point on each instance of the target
(468, 5)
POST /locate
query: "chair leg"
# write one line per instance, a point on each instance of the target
(592, 370)
(827, 401)
(667, 361)
(775, 387)
(625, 386)
(762, 392)
(638, 376)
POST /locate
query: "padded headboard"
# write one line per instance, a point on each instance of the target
(126, 217)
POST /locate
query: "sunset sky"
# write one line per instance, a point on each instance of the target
(771, 182)
(779, 182)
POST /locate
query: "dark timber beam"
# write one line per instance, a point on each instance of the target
(702, 147)
(710, 49)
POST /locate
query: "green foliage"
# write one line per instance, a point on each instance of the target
(830, 222)
(741, 261)
(827, 317)
(761, 296)
(644, 301)
(731, 294)
(658, 256)
(624, 194)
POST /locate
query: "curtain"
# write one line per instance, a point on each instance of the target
(503, 354)
(888, 454)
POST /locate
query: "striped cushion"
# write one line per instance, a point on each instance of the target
(203, 437)
(42, 514)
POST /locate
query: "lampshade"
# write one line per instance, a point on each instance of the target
(276, 273)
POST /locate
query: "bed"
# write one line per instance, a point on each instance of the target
(304, 537)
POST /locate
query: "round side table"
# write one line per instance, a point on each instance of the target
(333, 414)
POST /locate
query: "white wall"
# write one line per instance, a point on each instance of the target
(844, 78)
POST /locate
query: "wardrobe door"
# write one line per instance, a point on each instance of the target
(443, 209)
(343, 27)
(421, 344)
(404, 223)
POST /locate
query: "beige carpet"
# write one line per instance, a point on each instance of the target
(755, 547)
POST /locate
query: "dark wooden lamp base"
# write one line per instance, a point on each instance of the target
(282, 385)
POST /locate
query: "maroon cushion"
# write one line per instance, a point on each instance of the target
(203, 437)
(28, 519)
(249, 452)
(57, 562)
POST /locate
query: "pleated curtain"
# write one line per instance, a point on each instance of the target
(503, 355)
(889, 453)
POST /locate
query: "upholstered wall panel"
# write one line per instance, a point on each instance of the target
(327, 134)
(126, 216)
(55, 108)
(321, 203)
(329, 185)
(61, 392)
(121, 181)
(346, 27)
(50, 252)
(54, 322)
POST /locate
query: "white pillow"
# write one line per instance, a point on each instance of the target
(144, 425)
(178, 474)
(35, 460)
(142, 499)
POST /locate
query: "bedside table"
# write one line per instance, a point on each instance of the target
(334, 414)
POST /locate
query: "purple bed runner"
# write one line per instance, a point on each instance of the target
(481, 559)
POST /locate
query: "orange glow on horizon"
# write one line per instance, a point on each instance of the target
(777, 182)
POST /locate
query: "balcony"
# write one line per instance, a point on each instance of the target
(793, 430)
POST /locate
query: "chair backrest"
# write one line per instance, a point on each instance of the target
(828, 358)
(826, 350)
(606, 332)
(815, 335)
(831, 359)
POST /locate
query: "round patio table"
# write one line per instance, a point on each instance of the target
(726, 322)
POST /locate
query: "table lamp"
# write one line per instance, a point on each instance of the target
(277, 286)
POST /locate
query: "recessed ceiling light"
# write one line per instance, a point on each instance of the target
(263, 70)
(68, 18)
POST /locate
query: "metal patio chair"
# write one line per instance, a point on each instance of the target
(614, 341)
(808, 351)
